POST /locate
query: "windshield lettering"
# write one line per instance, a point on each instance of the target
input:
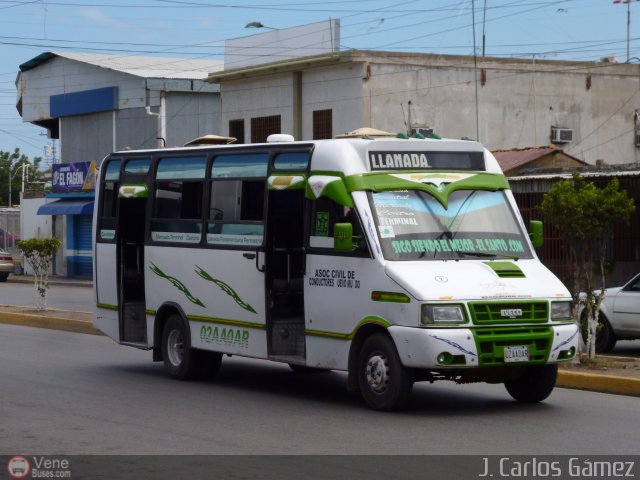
(413, 225)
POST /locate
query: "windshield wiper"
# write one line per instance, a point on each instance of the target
(491, 255)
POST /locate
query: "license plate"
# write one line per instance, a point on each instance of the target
(516, 354)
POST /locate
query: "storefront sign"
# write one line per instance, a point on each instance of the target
(74, 177)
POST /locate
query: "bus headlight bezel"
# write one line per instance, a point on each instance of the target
(442, 314)
(561, 311)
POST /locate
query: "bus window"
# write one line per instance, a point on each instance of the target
(325, 213)
(181, 167)
(108, 201)
(178, 199)
(240, 166)
(137, 165)
(236, 205)
(292, 161)
(236, 212)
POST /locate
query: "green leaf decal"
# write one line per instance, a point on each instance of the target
(178, 284)
(225, 288)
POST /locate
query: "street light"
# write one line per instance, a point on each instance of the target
(13, 175)
(258, 25)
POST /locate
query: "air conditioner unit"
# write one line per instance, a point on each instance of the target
(561, 135)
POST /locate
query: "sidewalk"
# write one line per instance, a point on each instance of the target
(53, 280)
(81, 322)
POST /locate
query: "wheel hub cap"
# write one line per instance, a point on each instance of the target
(377, 373)
(175, 347)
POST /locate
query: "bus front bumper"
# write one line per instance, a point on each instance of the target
(438, 348)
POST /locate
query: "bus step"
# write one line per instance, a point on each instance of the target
(287, 337)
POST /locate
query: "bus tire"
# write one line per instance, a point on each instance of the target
(385, 384)
(180, 360)
(534, 384)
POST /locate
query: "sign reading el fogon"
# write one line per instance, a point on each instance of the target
(73, 176)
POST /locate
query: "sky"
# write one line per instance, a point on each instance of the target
(585, 30)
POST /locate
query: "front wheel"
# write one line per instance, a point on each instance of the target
(534, 384)
(180, 360)
(3, 277)
(385, 384)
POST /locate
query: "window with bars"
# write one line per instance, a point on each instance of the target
(262, 127)
(322, 124)
(236, 129)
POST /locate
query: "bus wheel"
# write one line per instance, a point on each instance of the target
(534, 384)
(180, 360)
(385, 384)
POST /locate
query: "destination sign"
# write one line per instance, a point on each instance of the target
(408, 160)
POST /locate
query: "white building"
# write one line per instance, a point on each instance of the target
(95, 104)
(589, 109)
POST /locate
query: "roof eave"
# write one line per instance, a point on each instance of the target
(282, 66)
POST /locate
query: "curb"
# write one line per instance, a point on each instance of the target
(51, 321)
(52, 281)
(599, 383)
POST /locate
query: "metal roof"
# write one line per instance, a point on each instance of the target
(518, 157)
(145, 67)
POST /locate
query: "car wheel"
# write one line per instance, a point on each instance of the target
(385, 384)
(534, 384)
(180, 360)
(3, 277)
(605, 338)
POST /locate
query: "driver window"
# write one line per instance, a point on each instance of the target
(325, 213)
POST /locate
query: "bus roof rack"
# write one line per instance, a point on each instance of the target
(210, 140)
(366, 132)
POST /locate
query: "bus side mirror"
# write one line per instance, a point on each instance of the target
(535, 233)
(343, 237)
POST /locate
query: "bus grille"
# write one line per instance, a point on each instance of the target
(491, 343)
(484, 313)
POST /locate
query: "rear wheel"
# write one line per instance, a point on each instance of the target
(605, 338)
(180, 360)
(385, 384)
(534, 384)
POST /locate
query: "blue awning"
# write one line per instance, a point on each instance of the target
(67, 207)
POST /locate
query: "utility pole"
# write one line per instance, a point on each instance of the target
(628, 2)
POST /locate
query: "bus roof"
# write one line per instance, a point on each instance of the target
(351, 156)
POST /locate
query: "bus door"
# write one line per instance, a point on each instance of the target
(132, 215)
(285, 269)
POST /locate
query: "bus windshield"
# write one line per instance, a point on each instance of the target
(413, 225)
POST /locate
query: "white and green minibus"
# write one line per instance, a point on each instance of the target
(396, 260)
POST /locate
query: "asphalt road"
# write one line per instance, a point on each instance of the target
(65, 393)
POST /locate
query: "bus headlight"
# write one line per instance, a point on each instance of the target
(561, 311)
(432, 314)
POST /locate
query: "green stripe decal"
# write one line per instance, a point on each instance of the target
(224, 321)
(225, 288)
(379, 182)
(348, 336)
(106, 306)
(176, 283)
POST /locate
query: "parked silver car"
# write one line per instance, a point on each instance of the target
(619, 317)
(6, 265)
